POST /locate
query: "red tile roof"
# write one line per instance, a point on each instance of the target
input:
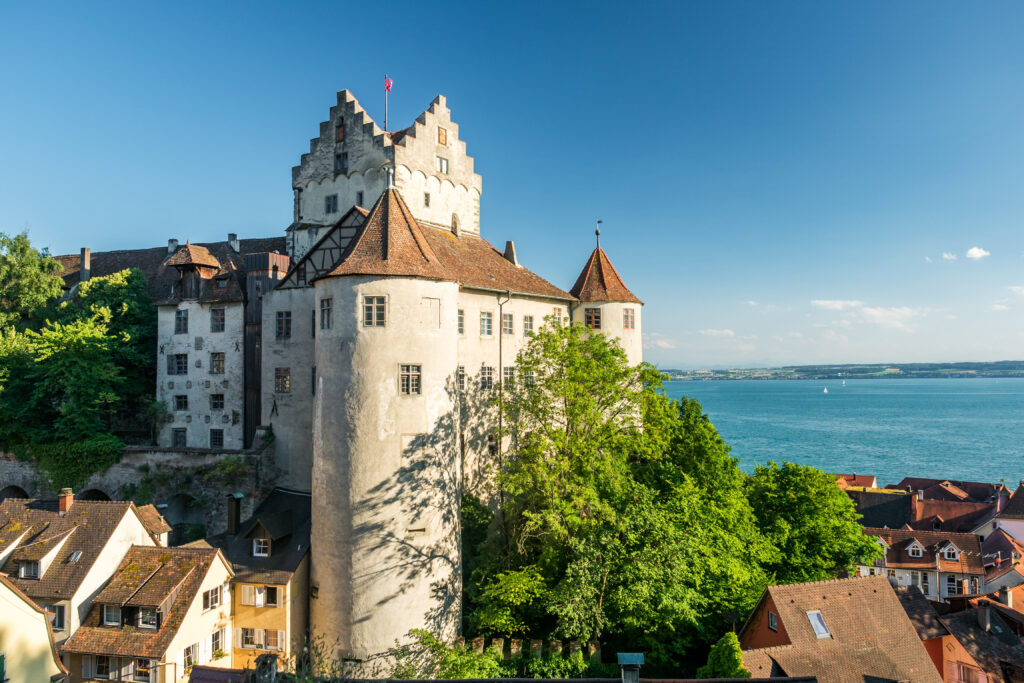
(969, 559)
(979, 491)
(153, 520)
(599, 281)
(193, 255)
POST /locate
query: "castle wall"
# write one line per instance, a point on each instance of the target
(447, 198)
(385, 555)
(291, 413)
(612, 325)
(199, 384)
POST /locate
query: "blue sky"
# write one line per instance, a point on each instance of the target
(779, 182)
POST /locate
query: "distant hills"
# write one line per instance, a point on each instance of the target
(1003, 368)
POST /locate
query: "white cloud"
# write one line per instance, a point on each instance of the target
(977, 253)
(752, 303)
(927, 259)
(653, 340)
(835, 304)
(998, 308)
(795, 334)
(948, 256)
(1017, 289)
(896, 316)
(717, 333)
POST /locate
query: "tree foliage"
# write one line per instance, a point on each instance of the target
(29, 279)
(725, 659)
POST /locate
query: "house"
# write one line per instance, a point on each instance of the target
(845, 481)
(163, 611)
(155, 523)
(990, 641)
(947, 489)
(61, 552)
(940, 563)
(1011, 518)
(882, 507)
(896, 509)
(1003, 560)
(953, 662)
(28, 653)
(842, 631)
(270, 556)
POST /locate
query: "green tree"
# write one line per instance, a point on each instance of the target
(811, 522)
(29, 279)
(725, 659)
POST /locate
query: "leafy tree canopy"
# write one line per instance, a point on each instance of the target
(725, 659)
(29, 279)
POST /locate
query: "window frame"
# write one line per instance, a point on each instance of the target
(58, 622)
(827, 634)
(326, 313)
(105, 620)
(773, 621)
(375, 311)
(261, 543)
(460, 378)
(218, 362)
(211, 598)
(952, 585)
(181, 321)
(216, 402)
(460, 321)
(220, 432)
(410, 379)
(488, 329)
(283, 325)
(175, 433)
(487, 378)
(283, 380)
(527, 325)
(330, 204)
(180, 403)
(141, 621)
(915, 551)
(25, 565)
(441, 164)
(177, 364)
(592, 318)
(218, 319)
(508, 323)
(442, 136)
(628, 318)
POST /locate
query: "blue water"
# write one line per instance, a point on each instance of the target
(968, 429)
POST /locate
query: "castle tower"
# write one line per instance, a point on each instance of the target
(606, 304)
(385, 550)
(346, 165)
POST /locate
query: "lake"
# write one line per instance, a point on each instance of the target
(968, 429)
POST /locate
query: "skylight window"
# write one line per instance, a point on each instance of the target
(75, 557)
(818, 624)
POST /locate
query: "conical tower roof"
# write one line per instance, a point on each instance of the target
(599, 281)
(390, 242)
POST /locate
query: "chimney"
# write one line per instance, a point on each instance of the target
(510, 253)
(64, 500)
(234, 512)
(1006, 597)
(984, 616)
(172, 246)
(85, 265)
(233, 241)
(920, 494)
(631, 663)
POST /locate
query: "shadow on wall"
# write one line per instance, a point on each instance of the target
(92, 494)
(185, 515)
(12, 492)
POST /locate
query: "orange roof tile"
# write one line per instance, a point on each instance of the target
(193, 255)
(599, 281)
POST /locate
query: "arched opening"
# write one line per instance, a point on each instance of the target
(92, 494)
(12, 492)
(184, 514)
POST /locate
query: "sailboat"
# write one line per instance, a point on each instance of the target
(826, 390)
(844, 382)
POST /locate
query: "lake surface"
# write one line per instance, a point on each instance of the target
(968, 429)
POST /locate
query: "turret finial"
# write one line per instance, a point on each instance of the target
(598, 232)
(391, 177)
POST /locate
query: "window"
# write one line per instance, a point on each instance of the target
(409, 379)
(271, 593)
(557, 315)
(331, 203)
(486, 322)
(773, 621)
(178, 437)
(374, 311)
(507, 326)
(284, 325)
(442, 136)
(300, 273)
(592, 318)
(259, 595)
(190, 654)
(217, 641)
(217, 319)
(282, 380)
(529, 378)
(628, 319)
(249, 640)
(181, 402)
(924, 583)
(486, 377)
(28, 569)
(216, 401)
(325, 313)
(111, 615)
(216, 438)
(142, 670)
(271, 640)
(58, 617)
(181, 322)
(950, 553)
(312, 323)
(914, 551)
(462, 321)
(261, 547)
(222, 283)
(359, 198)
(102, 667)
(527, 325)
(492, 444)
(508, 375)
(890, 574)
(426, 199)
(341, 162)
(952, 585)
(217, 363)
(442, 165)
(147, 618)
(974, 585)
(211, 598)
(177, 364)
(460, 378)
(818, 624)
(339, 135)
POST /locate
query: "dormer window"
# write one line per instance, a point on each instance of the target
(111, 615)
(28, 569)
(936, 526)
(147, 618)
(951, 553)
(261, 547)
(915, 551)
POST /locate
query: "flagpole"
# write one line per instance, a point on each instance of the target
(385, 103)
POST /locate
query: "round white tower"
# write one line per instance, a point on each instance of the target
(385, 550)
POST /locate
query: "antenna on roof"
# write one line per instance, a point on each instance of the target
(598, 232)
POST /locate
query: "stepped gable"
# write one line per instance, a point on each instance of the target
(390, 242)
(147, 577)
(599, 281)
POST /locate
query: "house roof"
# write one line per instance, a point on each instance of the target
(1002, 554)
(977, 491)
(285, 515)
(952, 515)
(599, 281)
(146, 576)
(37, 527)
(998, 651)
(865, 480)
(193, 255)
(969, 559)
(871, 636)
(881, 509)
(920, 612)
(153, 520)
(1015, 507)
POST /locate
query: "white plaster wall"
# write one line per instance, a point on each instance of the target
(446, 199)
(370, 182)
(385, 464)
(290, 414)
(25, 640)
(128, 532)
(198, 384)
(199, 625)
(611, 325)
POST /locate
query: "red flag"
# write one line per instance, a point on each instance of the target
(387, 84)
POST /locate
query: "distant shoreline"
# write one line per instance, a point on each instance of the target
(992, 370)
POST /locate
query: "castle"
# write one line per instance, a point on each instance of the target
(366, 340)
